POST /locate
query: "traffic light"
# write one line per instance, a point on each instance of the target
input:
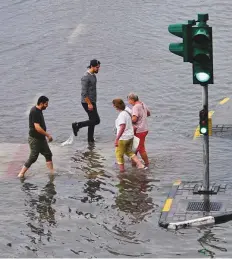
(202, 52)
(203, 124)
(183, 48)
(196, 47)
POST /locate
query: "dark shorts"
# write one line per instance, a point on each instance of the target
(38, 146)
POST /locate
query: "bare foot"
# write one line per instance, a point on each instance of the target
(144, 168)
(21, 175)
(22, 172)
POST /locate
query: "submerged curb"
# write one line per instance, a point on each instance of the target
(189, 223)
(209, 220)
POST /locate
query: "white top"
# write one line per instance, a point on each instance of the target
(125, 118)
(128, 109)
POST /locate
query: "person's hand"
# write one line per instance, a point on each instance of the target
(116, 142)
(90, 107)
(50, 139)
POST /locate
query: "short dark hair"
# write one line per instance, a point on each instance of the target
(42, 99)
(118, 103)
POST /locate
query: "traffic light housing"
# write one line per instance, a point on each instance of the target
(202, 53)
(203, 123)
(183, 48)
(196, 47)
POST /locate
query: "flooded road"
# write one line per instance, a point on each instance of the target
(88, 209)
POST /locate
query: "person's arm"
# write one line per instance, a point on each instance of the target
(85, 88)
(134, 119)
(135, 113)
(122, 129)
(41, 131)
(148, 111)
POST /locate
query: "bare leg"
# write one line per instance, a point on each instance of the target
(133, 164)
(138, 162)
(121, 168)
(23, 171)
(145, 158)
(50, 166)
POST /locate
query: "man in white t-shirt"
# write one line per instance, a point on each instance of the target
(124, 137)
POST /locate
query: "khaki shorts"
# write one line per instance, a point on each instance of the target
(38, 146)
(124, 148)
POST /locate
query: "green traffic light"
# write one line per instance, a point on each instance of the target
(203, 122)
(202, 54)
(202, 77)
(196, 47)
(203, 130)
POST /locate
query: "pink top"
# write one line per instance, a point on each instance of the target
(140, 111)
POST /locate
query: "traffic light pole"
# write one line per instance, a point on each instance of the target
(205, 142)
(197, 48)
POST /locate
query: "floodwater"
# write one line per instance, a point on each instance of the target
(88, 209)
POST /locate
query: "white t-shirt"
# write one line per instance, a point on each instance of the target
(129, 110)
(125, 118)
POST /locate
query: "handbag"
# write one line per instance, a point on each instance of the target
(135, 139)
(135, 143)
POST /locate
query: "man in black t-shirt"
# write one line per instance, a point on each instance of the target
(37, 136)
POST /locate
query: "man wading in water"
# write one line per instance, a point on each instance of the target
(37, 136)
(88, 100)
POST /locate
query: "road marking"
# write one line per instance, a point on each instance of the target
(76, 32)
(210, 114)
(167, 205)
(178, 182)
(168, 202)
(224, 100)
(197, 132)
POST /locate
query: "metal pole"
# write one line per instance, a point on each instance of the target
(206, 204)
(205, 142)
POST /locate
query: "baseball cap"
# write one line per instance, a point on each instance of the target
(94, 63)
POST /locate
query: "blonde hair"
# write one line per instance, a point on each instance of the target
(133, 97)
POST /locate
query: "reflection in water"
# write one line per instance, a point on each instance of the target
(46, 199)
(90, 162)
(39, 209)
(31, 202)
(207, 240)
(93, 166)
(133, 197)
(91, 187)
